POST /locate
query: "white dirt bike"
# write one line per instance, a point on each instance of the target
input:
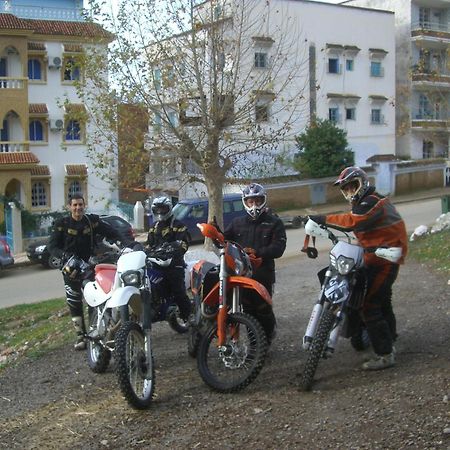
(343, 290)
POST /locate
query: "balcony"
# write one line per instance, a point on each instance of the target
(431, 79)
(42, 12)
(14, 147)
(13, 83)
(432, 32)
(430, 120)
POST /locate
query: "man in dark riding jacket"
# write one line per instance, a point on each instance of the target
(375, 223)
(262, 234)
(76, 234)
(166, 228)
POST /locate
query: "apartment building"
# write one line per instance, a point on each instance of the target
(343, 66)
(43, 125)
(423, 75)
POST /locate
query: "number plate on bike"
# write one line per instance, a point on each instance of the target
(337, 290)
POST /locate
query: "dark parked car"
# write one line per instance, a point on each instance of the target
(6, 259)
(37, 252)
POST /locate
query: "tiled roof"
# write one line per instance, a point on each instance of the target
(18, 158)
(11, 22)
(73, 48)
(36, 46)
(37, 108)
(54, 27)
(74, 108)
(40, 171)
(76, 169)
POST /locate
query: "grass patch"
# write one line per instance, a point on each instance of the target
(433, 250)
(32, 330)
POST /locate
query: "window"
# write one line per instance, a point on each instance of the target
(173, 118)
(157, 123)
(262, 113)
(157, 79)
(34, 69)
(375, 69)
(349, 65)
(333, 114)
(73, 131)
(38, 194)
(260, 60)
(350, 113)
(376, 116)
(36, 130)
(333, 65)
(74, 188)
(71, 70)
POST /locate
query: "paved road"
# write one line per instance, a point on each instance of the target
(32, 284)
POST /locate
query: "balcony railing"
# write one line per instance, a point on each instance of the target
(430, 115)
(13, 83)
(12, 147)
(430, 29)
(42, 12)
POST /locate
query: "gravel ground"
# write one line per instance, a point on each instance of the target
(56, 402)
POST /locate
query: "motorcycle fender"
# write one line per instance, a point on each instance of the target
(243, 282)
(94, 295)
(122, 296)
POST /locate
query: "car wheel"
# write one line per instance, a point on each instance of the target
(54, 262)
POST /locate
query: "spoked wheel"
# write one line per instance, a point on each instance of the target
(176, 322)
(135, 368)
(316, 350)
(98, 356)
(236, 364)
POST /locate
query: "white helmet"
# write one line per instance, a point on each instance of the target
(254, 190)
(161, 208)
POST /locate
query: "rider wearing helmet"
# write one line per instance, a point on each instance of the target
(261, 233)
(375, 223)
(166, 228)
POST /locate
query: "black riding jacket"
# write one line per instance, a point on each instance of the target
(266, 235)
(170, 230)
(72, 237)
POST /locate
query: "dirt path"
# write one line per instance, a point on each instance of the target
(57, 403)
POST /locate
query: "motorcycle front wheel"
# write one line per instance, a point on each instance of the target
(236, 364)
(98, 356)
(135, 368)
(316, 350)
(176, 322)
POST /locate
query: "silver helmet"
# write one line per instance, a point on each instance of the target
(161, 208)
(254, 191)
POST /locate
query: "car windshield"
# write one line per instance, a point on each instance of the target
(180, 211)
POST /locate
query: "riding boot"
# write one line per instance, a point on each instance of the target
(268, 322)
(78, 323)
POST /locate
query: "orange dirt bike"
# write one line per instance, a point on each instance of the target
(230, 345)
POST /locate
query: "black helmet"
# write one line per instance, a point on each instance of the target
(254, 190)
(76, 268)
(357, 179)
(161, 208)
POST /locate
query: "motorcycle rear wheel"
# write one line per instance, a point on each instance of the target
(236, 367)
(98, 356)
(316, 350)
(135, 369)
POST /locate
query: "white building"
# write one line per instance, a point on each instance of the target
(43, 149)
(343, 66)
(423, 75)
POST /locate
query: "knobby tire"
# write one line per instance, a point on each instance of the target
(316, 350)
(136, 379)
(98, 356)
(253, 362)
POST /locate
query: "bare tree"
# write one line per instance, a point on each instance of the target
(223, 82)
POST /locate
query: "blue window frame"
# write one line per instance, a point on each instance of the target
(36, 130)
(375, 69)
(260, 60)
(38, 194)
(333, 65)
(333, 114)
(73, 131)
(349, 65)
(2, 67)
(34, 69)
(71, 70)
(75, 189)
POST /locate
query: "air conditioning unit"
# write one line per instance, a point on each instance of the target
(55, 63)
(56, 124)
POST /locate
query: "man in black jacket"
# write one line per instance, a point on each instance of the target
(76, 235)
(166, 228)
(262, 234)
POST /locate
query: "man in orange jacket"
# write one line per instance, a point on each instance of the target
(375, 223)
